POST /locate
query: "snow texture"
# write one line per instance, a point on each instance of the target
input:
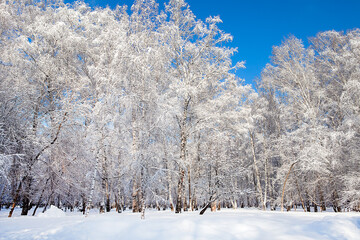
(225, 224)
(53, 211)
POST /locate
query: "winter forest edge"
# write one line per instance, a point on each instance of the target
(142, 108)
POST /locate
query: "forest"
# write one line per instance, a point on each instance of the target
(142, 107)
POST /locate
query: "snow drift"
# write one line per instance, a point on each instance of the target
(53, 211)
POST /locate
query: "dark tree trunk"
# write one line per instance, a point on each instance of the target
(117, 204)
(83, 209)
(208, 205)
(205, 208)
(108, 206)
(185, 205)
(308, 206)
(180, 189)
(102, 210)
(336, 207)
(25, 206)
(58, 202)
(37, 206)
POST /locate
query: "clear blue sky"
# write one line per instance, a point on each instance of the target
(257, 25)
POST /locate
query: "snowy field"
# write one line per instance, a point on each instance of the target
(225, 224)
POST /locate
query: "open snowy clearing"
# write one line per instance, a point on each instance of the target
(225, 224)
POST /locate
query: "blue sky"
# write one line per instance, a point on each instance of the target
(257, 25)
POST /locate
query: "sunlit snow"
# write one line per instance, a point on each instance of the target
(224, 224)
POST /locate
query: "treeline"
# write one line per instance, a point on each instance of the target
(137, 108)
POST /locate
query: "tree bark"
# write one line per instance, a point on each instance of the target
(47, 202)
(213, 206)
(170, 191)
(211, 200)
(135, 206)
(205, 208)
(283, 190)
(183, 138)
(26, 196)
(189, 182)
(26, 206)
(321, 198)
(1, 196)
(117, 205)
(92, 188)
(33, 160)
(180, 192)
(107, 195)
(257, 173)
(167, 164)
(335, 198)
(40, 198)
(301, 199)
(17, 193)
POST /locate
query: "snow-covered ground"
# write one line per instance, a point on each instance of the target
(225, 224)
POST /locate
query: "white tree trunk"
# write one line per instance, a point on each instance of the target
(92, 188)
(257, 174)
